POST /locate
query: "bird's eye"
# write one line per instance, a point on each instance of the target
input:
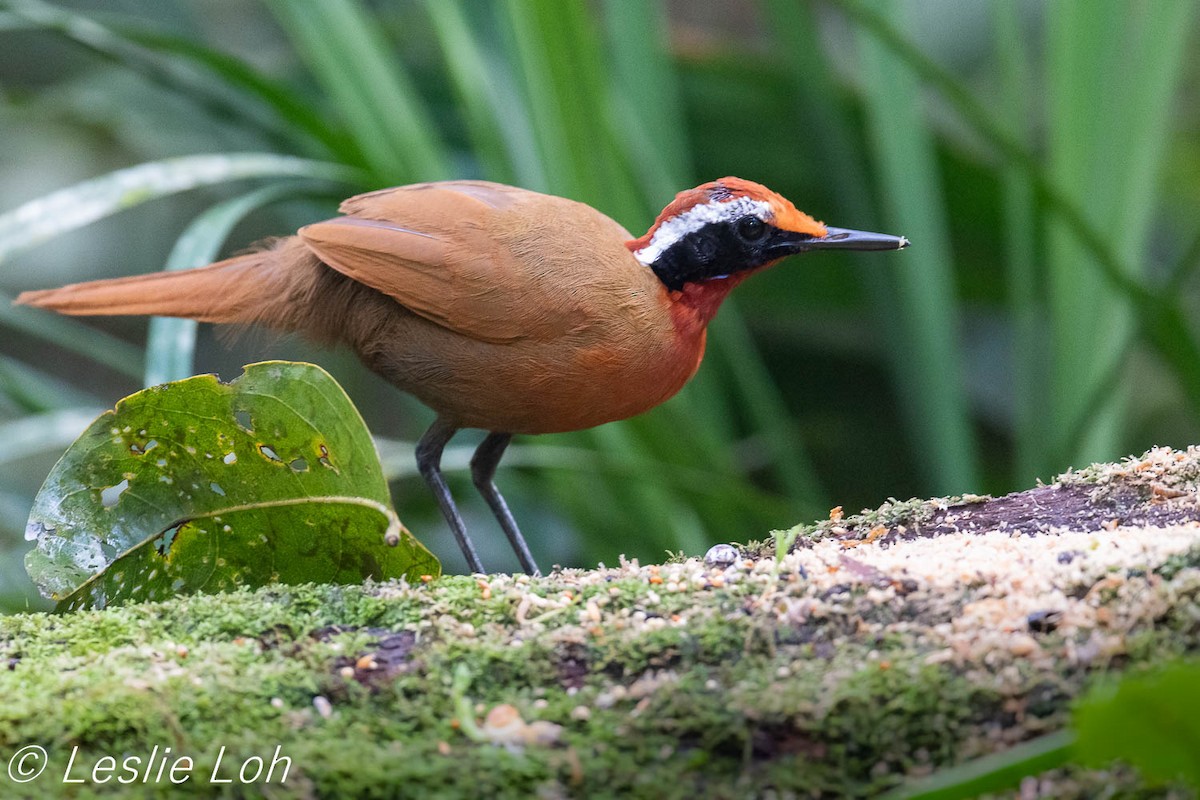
(751, 228)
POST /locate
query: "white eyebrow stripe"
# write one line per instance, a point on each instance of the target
(695, 218)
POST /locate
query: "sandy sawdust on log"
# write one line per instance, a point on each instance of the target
(1157, 489)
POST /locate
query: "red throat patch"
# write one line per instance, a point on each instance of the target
(694, 306)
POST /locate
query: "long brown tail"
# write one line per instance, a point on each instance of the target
(234, 290)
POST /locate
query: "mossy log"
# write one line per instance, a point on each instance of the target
(882, 645)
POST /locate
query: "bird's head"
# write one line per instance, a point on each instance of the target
(711, 237)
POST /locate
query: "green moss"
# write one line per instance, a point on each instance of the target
(730, 700)
(668, 681)
(1172, 566)
(1171, 469)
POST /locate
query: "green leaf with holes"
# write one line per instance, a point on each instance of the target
(199, 485)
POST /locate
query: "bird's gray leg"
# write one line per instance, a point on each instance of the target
(483, 469)
(429, 462)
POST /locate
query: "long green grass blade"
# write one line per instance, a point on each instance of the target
(549, 125)
(768, 415)
(925, 283)
(1184, 268)
(41, 433)
(1172, 329)
(293, 113)
(993, 773)
(399, 463)
(171, 343)
(368, 86)
(653, 137)
(646, 97)
(823, 115)
(72, 335)
(556, 45)
(171, 62)
(827, 130)
(30, 390)
(494, 97)
(477, 92)
(654, 505)
(1161, 313)
(1083, 311)
(1025, 286)
(568, 91)
(12, 22)
(13, 508)
(656, 141)
(67, 209)
(1113, 76)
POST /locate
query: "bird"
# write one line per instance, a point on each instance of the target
(500, 308)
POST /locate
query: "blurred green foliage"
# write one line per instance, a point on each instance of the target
(1043, 158)
(1145, 719)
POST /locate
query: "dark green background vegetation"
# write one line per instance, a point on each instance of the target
(1043, 158)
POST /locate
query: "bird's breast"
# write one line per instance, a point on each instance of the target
(618, 358)
(617, 364)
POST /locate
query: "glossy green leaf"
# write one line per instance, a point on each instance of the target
(204, 486)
